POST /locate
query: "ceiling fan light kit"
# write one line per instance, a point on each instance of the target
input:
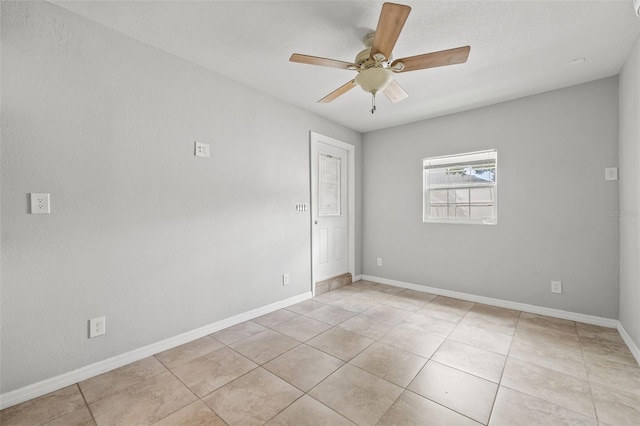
(374, 80)
(375, 65)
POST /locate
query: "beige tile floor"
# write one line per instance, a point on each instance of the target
(367, 354)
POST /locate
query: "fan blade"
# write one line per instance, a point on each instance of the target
(323, 62)
(338, 92)
(458, 55)
(390, 23)
(395, 92)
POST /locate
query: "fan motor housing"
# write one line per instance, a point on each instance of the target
(365, 61)
(363, 58)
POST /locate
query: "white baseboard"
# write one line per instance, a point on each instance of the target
(557, 313)
(356, 278)
(35, 390)
(635, 351)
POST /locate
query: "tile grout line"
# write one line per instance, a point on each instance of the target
(570, 375)
(126, 387)
(348, 362)
(198, 398)
(506, 358)
(288, 405)
(406, 388)
(86, 403)
(239, 354)
(187, 387)
(586, 370)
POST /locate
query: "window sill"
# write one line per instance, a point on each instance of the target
(463, 222)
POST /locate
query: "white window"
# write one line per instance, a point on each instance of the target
(461, 188)
(328, 185)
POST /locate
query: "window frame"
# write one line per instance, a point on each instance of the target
(459, 160)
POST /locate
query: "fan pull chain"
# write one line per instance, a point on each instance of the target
(373, 102)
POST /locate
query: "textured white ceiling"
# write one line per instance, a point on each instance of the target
(518, 48)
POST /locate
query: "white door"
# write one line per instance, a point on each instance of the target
(329, 210)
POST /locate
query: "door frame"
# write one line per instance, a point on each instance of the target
(315, 137)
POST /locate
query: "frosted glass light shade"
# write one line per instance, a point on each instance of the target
(374, 80)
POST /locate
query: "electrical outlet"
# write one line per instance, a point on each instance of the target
(379, 261)
(611, 173)
(285, 279)
(201, 150)
(556, 287)
(97, 327)
(40, 203)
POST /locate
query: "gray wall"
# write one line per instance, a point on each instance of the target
(159, 241)
(630, 195)
(552, 198)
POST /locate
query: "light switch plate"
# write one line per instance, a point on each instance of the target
(40, 203)
(611, 173)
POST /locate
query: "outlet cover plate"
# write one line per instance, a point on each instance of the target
(40, 203)
(379, 261)
(285, 279)
(201, 150)
(97, 327)
(556, 287)
(611, 173)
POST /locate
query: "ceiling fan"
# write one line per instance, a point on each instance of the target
(375, 65)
